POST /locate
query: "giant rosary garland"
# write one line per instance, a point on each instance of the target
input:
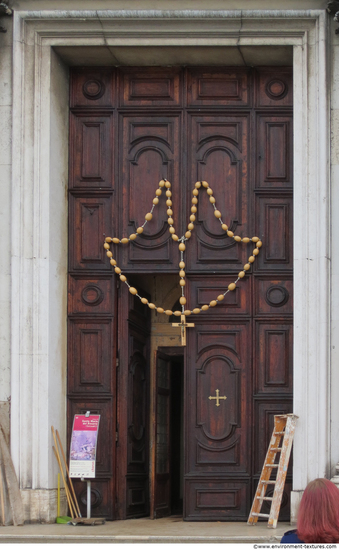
(166, 184)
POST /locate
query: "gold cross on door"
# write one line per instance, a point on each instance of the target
(183, 326)
(218, 397)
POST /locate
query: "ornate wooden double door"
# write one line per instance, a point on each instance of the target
(129, 128)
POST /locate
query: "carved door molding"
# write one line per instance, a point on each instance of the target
(129, 128)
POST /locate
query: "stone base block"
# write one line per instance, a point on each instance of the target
(40, 505)
(295, 501)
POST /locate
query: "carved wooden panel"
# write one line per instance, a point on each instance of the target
(274, 354)
(101, 501)
(237, 302)
(274, 217)
(150, 146)
(137, 478)
(163, 496)
(129, 128)
(274, 151)
(217, 424)
(90, 295)
(103, 485)
(275, 88)
(92, 219)
(91, 355)
(218, 86)
(137, 497)
(219, 155)
(273, 296)
(91, 303)
(218, 432)
(92, 87)
(133, 406)
(92, 149)
(146, 86)
(137, 412)
(217, 499)
(162, 474)
(217, 336)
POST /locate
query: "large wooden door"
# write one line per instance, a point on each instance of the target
(131, 127)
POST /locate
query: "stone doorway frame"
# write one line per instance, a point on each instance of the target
(39, 214)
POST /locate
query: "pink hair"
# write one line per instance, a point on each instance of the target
(318, 516)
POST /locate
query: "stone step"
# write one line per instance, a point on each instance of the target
(145, 530)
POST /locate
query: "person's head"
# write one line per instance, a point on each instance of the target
(318, 515)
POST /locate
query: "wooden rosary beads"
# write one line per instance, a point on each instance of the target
(182, 247)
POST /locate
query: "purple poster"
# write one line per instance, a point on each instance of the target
(84, 445)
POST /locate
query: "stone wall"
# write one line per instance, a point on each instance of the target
(334, 91)
(5, 205)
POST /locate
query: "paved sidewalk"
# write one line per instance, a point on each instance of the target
(145, 530)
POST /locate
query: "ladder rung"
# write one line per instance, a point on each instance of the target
(271, 465)
(260, 515)
(278, 433)
(267, 482)
(276, 449)
(264, 498)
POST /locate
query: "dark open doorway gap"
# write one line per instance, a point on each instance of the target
(176, 428)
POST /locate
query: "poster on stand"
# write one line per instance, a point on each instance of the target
(84, 445)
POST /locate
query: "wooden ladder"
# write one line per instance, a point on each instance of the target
(281, 442)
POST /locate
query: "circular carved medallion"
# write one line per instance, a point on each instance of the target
(93, 89)
(276, 89)
(277, 296)
(96, 498)
(92, 295)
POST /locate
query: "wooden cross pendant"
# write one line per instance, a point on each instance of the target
(183, 326)
(218, 397)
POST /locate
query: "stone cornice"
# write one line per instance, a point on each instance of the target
(169, 14)
(168, 27)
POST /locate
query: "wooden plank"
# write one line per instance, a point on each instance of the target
(267, 470)
(282, 470)
(284, 426)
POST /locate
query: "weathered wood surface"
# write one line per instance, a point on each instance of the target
(274, 470)
(11, 506)
(130, 127)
